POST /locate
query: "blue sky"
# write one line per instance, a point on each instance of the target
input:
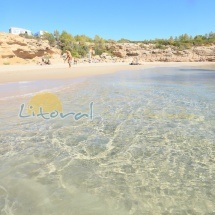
(134, 19)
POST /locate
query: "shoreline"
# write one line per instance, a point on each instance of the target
(25, 73)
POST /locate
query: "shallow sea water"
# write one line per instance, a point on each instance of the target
(150, 148)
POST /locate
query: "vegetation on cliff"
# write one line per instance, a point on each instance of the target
(80, 45)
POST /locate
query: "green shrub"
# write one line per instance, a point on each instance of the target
(50, 37)
(27, 36)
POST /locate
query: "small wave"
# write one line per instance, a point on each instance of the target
(54, 89)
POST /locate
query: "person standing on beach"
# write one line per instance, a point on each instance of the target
(68, 58)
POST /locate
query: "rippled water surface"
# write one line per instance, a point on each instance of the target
(150, 148)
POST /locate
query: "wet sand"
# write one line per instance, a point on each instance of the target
(17, 73)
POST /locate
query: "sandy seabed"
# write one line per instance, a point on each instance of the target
(148, 149)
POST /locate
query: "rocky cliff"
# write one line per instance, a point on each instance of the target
(16, 49)
(149, 52)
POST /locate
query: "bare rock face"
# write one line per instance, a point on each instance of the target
(210, 59)
(12, 46)
(204, 51)
(150, 52)
(5, 51)
(133, 53)
(119, 53)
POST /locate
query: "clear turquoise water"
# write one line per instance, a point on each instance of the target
(150, 148)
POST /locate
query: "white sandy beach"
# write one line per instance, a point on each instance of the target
(17, 73)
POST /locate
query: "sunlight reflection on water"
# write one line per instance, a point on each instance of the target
(150, 148)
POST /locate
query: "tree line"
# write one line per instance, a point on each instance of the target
(80, 45)
(185, 41)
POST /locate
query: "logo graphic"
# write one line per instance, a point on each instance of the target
(48, 106)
